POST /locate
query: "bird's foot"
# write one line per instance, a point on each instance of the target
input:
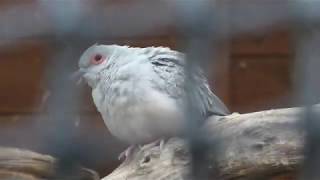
(158, 142)
(127, 153)
(161, 144)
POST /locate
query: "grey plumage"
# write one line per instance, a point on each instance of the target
(171, 73)
(140, 91)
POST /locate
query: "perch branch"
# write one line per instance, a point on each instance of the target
(20, 164)
(252, 146)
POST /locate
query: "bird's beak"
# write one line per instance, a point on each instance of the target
(77, 76)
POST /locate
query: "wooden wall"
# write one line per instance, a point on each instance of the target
(252, 73)
(261, 72)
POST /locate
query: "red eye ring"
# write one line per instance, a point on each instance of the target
(97, 59)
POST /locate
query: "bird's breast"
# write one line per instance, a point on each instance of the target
(140, 114)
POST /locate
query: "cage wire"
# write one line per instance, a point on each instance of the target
(307, 38)
(197, 36)
(199, 24)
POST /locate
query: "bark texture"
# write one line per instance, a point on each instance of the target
(17, 164)
(261, 145)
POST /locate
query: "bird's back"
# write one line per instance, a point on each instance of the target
(169, 66)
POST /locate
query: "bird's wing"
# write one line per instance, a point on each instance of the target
(170, 70)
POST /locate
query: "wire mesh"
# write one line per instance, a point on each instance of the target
(197, 33)
(307, 40)
(197, 23)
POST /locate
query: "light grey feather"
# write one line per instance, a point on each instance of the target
(169, 66)
(140, 91)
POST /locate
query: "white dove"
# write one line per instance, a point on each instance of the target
(140, 91)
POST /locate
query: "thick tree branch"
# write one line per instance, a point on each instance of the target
(252, 146)
(20, 164)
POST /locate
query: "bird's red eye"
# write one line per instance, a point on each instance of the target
(97, 59)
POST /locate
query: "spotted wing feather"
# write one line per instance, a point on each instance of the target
(170, 70)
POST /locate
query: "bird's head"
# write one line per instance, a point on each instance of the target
(96, 59)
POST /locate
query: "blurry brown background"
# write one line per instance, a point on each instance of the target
(253, 72)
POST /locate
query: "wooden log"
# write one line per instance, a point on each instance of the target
(20, 164)
(260, 145)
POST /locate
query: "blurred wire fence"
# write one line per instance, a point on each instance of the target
(198, 23)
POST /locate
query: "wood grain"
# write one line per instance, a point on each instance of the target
(261, 145)
(261, 83)
(21, 164)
